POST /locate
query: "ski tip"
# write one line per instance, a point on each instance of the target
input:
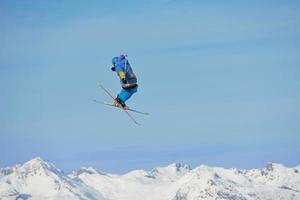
(138, 124)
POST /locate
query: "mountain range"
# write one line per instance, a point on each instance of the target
(39, 179)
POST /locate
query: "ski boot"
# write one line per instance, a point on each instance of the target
(118, 102)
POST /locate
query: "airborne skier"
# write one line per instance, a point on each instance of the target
(127, 78)
(129, 86)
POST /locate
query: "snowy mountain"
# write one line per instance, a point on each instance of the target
(39, 179)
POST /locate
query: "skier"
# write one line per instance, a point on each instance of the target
(127, 78)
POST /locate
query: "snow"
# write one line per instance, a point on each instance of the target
(40, 179)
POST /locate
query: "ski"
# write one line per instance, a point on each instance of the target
(111, 104)
(127, 113)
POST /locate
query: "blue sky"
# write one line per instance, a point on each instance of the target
(221, 80)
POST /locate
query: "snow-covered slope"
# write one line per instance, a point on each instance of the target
(38, 179)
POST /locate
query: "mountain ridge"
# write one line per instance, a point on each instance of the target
(40, 179)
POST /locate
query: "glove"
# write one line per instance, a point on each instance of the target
(113, 68)
(124, 80)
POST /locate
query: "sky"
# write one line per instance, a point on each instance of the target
(220, 79)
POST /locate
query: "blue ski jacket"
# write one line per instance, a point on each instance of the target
(124, 71)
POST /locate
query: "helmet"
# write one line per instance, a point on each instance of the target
(114, 60)
(122, 56)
